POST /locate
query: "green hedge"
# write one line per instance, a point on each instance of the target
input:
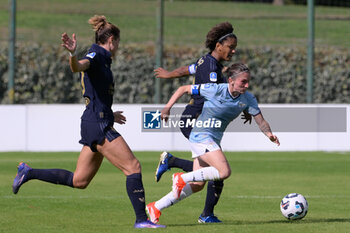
(278, 74)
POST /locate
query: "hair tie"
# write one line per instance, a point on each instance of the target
(225, 36)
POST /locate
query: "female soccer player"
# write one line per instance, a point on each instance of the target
(98, 136)
(223, 103)
(221, 43)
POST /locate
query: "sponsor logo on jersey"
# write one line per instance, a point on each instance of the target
(242, 105)
(213, 76)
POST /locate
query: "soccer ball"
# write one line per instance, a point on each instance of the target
(294, 206)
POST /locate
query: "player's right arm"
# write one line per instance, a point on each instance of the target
(70, 44)
(177, 95)
(177, 73)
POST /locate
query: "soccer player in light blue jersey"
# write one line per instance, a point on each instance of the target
(221, 43)
(223, 103)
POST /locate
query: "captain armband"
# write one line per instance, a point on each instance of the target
(195, 89)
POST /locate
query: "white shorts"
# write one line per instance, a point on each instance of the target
(200, 148)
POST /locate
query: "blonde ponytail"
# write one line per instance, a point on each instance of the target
(97, 21)
(103, 29)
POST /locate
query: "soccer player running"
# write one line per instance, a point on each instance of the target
(223, 103)
(98, 136)
(221, 43)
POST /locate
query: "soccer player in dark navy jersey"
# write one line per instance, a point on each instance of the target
(221, 42)
(209, 70)
(98, 85)
(98, 136)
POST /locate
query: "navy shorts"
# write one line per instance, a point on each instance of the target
(94, 132)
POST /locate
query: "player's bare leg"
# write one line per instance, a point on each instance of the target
(88, 164)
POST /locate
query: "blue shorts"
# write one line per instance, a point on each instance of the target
(94, 132)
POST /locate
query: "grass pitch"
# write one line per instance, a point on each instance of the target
(249, 202)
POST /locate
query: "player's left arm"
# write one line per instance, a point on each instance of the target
(265, 128)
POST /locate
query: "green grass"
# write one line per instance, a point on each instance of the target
(249, 202)
(185, 23)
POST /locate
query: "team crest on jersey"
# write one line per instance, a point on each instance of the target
(91, 55)
(213, 76)
(242, 105)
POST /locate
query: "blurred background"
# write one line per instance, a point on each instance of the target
(272, 41)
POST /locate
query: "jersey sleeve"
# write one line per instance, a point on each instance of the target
(207, 90)
(192, 68)
(92, 57)
(252, 108)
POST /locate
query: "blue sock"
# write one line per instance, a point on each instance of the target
(213, 194)
(55, 176)
(136, 194)
(186, 165)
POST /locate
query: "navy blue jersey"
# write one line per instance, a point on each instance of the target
(208, 70)
(98, 85)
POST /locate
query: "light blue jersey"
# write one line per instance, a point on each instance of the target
(220, 108)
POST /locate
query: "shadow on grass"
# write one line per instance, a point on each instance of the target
(282, 221)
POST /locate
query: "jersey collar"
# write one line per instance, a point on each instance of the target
(102, 51)
(229, 93)
(217, 62)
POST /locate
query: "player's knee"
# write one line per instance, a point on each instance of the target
(197, 186)
(132, 167)
(201, 186)
(225, 173)
(80, 184)
(136, 164)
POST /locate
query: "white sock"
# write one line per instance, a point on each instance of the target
(203, 174)
(169, 199)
